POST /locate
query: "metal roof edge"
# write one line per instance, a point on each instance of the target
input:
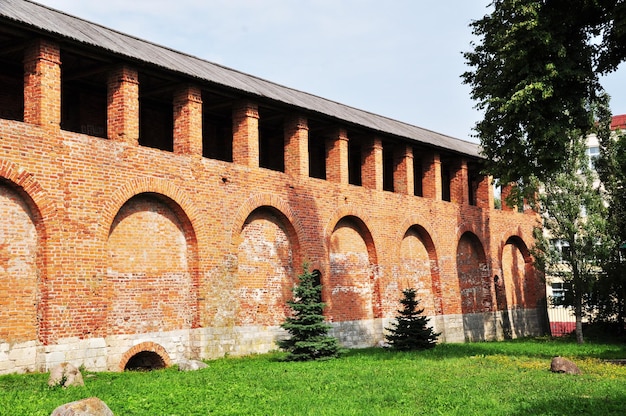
(59, 23)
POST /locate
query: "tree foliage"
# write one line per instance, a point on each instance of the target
(411, 330)
(573, 214)
(610, 293)
(535, 76)
(309, 332)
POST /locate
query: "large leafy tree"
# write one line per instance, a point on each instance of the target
(535, 72)
(610, 292)
(573, 214)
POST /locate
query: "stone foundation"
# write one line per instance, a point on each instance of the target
(112, 352)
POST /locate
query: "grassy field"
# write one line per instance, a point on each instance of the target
(503, 378)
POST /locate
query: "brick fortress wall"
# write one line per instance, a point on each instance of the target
(123, 242)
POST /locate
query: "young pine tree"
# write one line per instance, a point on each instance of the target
(309, 331)
(411, 331)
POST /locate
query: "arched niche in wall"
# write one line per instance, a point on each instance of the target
(517, 289)
(517, 273)
(151, 250)
(473, 275)
(19, 265)
(417, 269)
(351, 284)
(267, 265)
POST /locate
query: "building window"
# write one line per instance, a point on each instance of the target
(564, 250)
(558, 293)
(593, 153)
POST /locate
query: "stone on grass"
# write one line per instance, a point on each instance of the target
(563, 365)
(383, 344)
(86, 407)
(65, 375)
(191, 365)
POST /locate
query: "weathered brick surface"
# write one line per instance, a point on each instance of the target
(106, 244)
(18, 265)
(42, 84)
(187, 102)
(265, 271)
(123, 104)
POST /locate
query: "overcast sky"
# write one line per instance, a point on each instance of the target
(398, 58)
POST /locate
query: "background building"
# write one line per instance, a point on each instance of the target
(562, 319)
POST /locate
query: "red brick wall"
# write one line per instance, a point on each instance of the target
(265, 272)
(42, 84)
(513, 271)
(415, 270)
(19, 295)
(128, 239)
(123, 105)
(90, 180)
(474, 277)
(149, 284)
(521, 283)
(350, 280)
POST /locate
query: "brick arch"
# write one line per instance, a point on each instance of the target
(430, 247)
(180, 203)
(362, 219)
(145, 346)
(177, 209)
(423, 225)
(512, 236)
(266, 240)
(473, 274)
(518, 238)
(273, 203)
(352, 288)
(474, 229)
(518, 280)
(34, 195)
(44, 215)
(179, 279)
(521, 245)
(173, 197)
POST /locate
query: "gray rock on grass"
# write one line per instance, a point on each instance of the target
(191, 365)
(563, 365)
(91, 406)
(65, 375)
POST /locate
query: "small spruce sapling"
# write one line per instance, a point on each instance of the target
(309, 332)
(411, 330)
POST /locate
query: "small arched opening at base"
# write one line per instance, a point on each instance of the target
(145, 361)
(146, 356)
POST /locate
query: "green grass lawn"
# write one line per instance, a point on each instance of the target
(494, 378)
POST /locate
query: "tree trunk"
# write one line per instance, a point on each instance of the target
(578, 302)
(578, 312)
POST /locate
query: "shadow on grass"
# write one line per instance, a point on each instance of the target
(543, 347)
(575, 406)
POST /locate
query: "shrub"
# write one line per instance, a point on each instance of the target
(411, 330)
(309, 331)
